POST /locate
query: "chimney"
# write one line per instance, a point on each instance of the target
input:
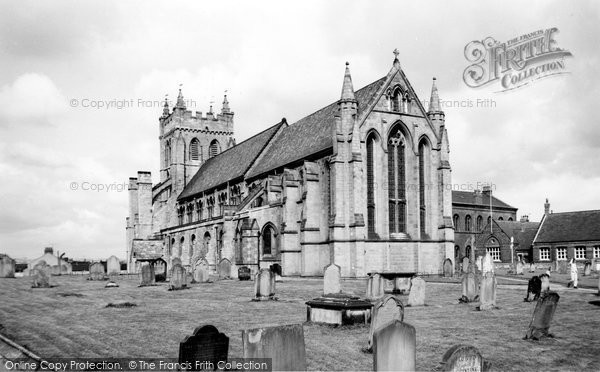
(487, 190)
(547, 207)
(48, 250)
(524, 218)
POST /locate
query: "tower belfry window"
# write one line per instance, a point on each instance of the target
(195, 149)
(214, 149)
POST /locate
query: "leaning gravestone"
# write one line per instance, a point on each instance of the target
(470, 286)
(7, 267)
(542, 316)
(416, 296)
(519, 269)
(462, 358)
(41, 275)
(264, 285)
(244, 273)
(388, 309)
(465, 265)
(448, 269)
(284, 345)
(224, 269)
(178, 278)
(96, 271)
(394, 347)
(147, 274)
(487, 292)
(202, 272)
(205, 347)
(375, 287)
(587, 269)
(332, 280)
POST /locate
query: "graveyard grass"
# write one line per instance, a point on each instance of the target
(72, 320)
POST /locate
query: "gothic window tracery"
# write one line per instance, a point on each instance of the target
(397, 182)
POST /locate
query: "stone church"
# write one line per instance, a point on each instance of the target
(364, 182)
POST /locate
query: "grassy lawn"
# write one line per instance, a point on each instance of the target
(71, 320)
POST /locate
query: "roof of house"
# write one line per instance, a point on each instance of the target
(523, 232)
(478, 199)
(230, 164)
(570, 227)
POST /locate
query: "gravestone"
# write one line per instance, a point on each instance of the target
(332, 280)
(532, 267)
(462, 358)
(41, 275)
(7, 267)
(284, 345)
(276, 269)
(224, 269)
(147, 274)
(388, 309)
(113, 266)
(416, 296)
(244, 273)
(394, 347)
(375, 287)
(96, 271)
(202, 271)
(189, 277)
(470, 287)
(448, 269)
(176, 261)
(587, 269)
(178, 278)
(264, 285)
(519, 269)
(545, 283)
(465, 265)
(487, 292)
(534, 286)
(479, 263)
(542, 316)
(401, 285)
(562, 267)
(207, 345)
(487, 265)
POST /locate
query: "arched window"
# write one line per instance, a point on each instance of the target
(214, 149)
(423, 185)
(397, 182)
(192, 244)
(479, 223)
(239, 254)
(500, 219)
(167, 156)
(489, 219)
(510, 218)
(468, 252)
(206, 246)
(371, 185)
(396, 99)
(171, 246)
(269, 240)
(180, 249)
(468, 223)
(455, 221)
(195, 149)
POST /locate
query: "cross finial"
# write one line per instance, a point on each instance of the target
(396, 52)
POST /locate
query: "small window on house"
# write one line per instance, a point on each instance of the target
(597, 252)
(545, 254)
(494, 253)
(580, 253)
(561, 254)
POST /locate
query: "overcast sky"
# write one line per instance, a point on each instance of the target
(276, 59)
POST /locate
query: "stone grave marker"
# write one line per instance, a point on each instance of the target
(487, 292)
(448, 269)
(7, 267)
(465, 265)
(41, 275)
(400, 285)
(462, 358)
(224, 269)
(394, 347)
(562, 267)
(587, 269)
(206, 345)
(416, 296)
(389, 308)
(96, 271)
(276, 269)
(532, 267)
(375, 287)
(479, 262)
(519, 269)
(264, 285)
(176, 261)
(189, 277)
(113, 266)
(542, 316)
(146, 274)
(545, 283)
(202, 271)
(283, 344)
(470, 286)
(244, 273)
(332, 280)
(487, 265)
(178, 278)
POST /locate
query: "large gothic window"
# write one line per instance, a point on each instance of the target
(455, 221)
(269, 240)
(195, 149)
(423, 186)
(397, 182)
(214, 149)
(371, 186)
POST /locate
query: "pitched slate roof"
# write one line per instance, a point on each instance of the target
(309, 135)
(468, 197)
(523, 232)
(230, 164)
(570, 227)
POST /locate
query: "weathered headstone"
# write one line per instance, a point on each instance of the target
(284, 345)
(587, 269)
(487, 264)
(113, 266)
(202, 271)
(189, 277)
(534, 286)
(387, 309)
(332, 280)
(277, 270)
(465, 265)
(479, 263)
(532, 267)
(7, 267)
(97, 271)
(264, 285)
(545, 283)
(394, 347)
(487, 292)
(542, 316)
(416, 296)
(462, 358)
(401, 285)
(519, 268)
(205, 347)
(224, 269)
(448, 268)
(562, 267)
(147, 274)
(178, 278)
(176, 261)
(244, 273)
(375, 287)
(470, 287)
(41, 275)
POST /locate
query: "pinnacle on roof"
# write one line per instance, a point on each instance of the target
(434, 103)
(225, 108)
(347, 89)
(180, 103)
